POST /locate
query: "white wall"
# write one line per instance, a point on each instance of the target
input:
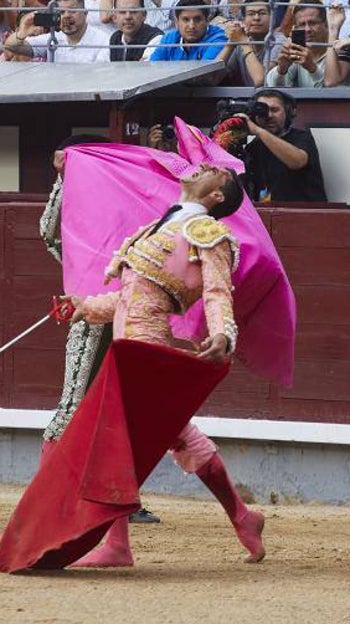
(333, 146)
(9, 158)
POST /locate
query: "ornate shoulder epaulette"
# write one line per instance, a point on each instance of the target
(206, 232)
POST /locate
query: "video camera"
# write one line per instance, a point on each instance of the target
(230, 130)
(230, 108)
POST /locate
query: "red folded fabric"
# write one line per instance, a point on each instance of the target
(142, 397)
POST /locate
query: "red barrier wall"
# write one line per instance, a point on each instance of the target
(314, 246)
(32, 370)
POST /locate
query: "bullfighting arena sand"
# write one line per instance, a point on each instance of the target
(189, 569)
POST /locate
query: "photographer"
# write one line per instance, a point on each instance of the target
(282, 162)
(73, 36)
(301, 61)
(162, 137)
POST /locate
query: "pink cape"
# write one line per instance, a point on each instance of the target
(111, 190)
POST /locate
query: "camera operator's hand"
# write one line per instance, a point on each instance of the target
(155, 135)
(156, 140)
(253, 128)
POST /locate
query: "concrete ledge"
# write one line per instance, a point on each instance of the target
(271, 461)
(274, 430)
(24, 418)
(231, 428)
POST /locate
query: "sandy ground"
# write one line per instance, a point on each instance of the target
(190, 569)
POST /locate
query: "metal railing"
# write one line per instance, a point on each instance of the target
(268, 41)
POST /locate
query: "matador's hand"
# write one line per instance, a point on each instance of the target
(214, 348)
(77, 303)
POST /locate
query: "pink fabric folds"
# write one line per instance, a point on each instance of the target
(111, 190)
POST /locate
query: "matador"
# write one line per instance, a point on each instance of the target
(164, 269)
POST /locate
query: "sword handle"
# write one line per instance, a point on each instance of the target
(59, 314)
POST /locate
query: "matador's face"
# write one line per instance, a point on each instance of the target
(205, 180)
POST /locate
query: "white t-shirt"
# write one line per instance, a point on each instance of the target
(93, 18)
(76, 53)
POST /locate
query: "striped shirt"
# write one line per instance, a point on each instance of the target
(162, 16)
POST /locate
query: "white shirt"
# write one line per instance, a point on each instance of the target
(189, 209)
(93, 17)
(162, 16)
(76, 53)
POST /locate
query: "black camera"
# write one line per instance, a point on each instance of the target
(253, 109)
(236, 127)
(168, 132)
(47, 19)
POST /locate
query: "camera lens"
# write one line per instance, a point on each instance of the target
(168, 133)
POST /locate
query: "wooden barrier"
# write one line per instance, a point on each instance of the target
(314, 246)
(32, 371)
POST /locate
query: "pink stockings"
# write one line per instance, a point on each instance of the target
(248, 524)
(194, 452)
(114, 552)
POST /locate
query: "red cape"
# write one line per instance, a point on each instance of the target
(141, 399)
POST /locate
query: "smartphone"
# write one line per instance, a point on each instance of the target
(298, 37)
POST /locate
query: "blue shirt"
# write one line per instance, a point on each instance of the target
(214, 34)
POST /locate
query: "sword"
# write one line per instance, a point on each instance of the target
(62, 311)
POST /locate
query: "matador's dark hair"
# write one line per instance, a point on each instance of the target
(234, 194)
(77, 139)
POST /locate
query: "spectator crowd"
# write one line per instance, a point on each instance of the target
(302, 44)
